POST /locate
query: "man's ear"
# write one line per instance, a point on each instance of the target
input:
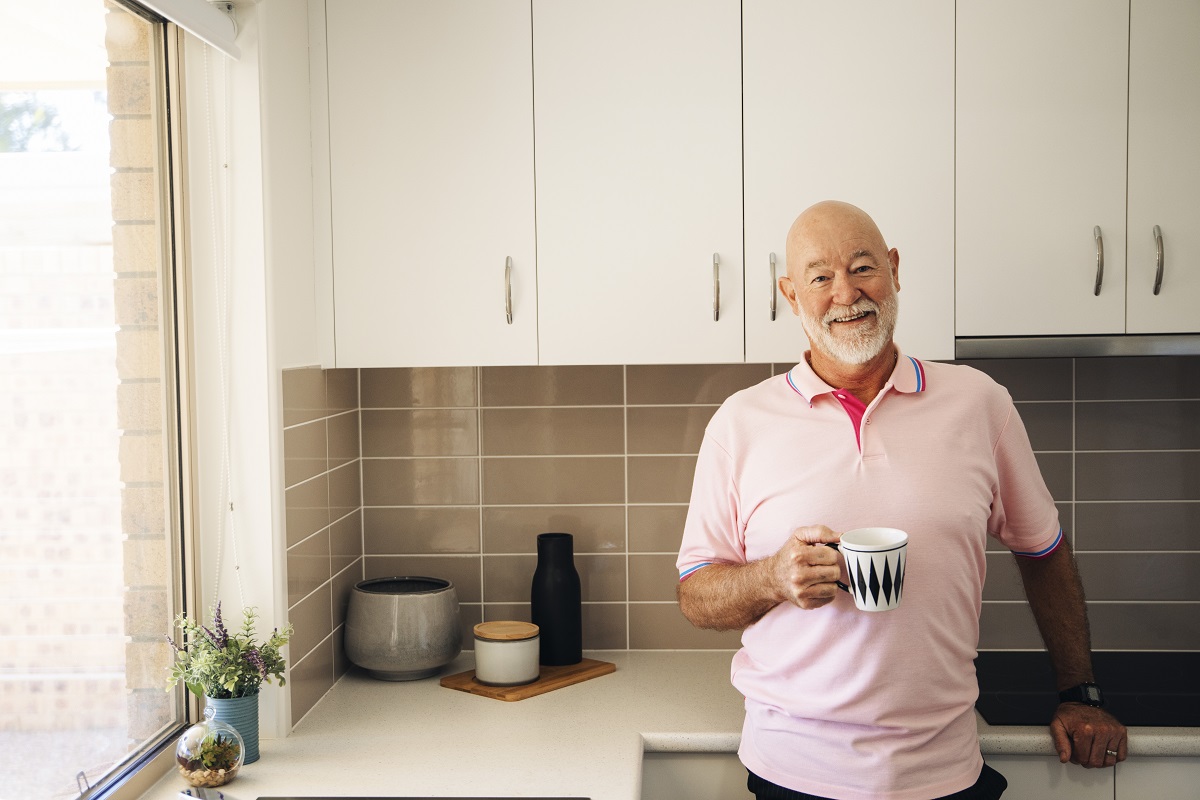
(894, 260)
(788, 289)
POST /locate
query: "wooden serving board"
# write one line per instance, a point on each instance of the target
(551, 678)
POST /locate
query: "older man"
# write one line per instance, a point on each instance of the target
(842, 703)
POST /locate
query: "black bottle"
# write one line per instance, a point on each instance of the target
(556, 606)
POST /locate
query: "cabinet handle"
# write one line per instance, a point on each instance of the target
(774, 287)
(1099, 259)
(1158, 254)
(716, 287)
(508, 289)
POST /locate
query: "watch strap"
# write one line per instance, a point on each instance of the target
(1087, 693)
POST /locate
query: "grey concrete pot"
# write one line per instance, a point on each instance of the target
(403, 628)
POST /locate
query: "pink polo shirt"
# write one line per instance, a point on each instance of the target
(843, 703)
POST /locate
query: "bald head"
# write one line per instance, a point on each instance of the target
(829, 224)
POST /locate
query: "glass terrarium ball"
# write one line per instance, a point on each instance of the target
(210, 753)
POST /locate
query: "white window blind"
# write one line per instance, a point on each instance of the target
(209, 22)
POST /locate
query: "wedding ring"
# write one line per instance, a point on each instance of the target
(1110, 752)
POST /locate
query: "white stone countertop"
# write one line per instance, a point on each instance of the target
(370, 738)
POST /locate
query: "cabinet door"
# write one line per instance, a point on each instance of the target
(1164, 166)
(638, 152)
(1040, 163)
(1141, 778)
(431, 169)
(1044, 778)
(855, 102)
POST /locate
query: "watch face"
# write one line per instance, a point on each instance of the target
(1091, 695)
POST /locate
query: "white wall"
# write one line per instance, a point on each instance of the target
(271, 306)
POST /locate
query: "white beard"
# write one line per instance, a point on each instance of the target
(858, 346)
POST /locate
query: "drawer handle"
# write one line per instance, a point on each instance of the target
(1158, 255)
(774, 287)
(716, 287)
(508, 289)
(1099, 259)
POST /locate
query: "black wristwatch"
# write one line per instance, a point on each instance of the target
(1086, 693)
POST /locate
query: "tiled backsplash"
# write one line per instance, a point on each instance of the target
(452, 472)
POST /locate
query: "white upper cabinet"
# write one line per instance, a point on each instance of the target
(1164, 166)
(854, 102)
(1041, 121)
(639, 181)
(431, 165)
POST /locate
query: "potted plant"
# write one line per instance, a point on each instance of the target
(228, 668)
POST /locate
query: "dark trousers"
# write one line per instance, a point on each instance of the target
(990, 786)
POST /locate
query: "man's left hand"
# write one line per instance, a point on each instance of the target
(1088, 736)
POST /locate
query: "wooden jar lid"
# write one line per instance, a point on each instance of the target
(506, 630)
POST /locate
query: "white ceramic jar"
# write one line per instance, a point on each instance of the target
(506, 653)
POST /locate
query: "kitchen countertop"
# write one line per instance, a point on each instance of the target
(373, 738)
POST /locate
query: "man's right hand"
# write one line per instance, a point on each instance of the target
(807, 571)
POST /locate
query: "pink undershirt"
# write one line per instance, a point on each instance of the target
(855, 408)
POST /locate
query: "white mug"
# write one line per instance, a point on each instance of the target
(875, 564)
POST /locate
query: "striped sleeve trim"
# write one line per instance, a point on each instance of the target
(687, 573)
(1044, 552)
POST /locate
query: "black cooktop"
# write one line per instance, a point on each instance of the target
(1144, 689)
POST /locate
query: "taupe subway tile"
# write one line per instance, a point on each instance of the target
(656, 529)
(341, 664)
(414, 531)
(1137, 526)
(552, 431)
(508, 578)
(303, 395)
(1048, 425)
(1144, 626)
(1138, 425)
(661, 479)
(397, 433)
(520, 612)
(306, 509)
(682, 384)
(1008, 626)
(1029, 378)
(652, 577)
(420, 481)
(343, 439)
(1056, 472)
(514, 529)
(341, 390)
(313, 620)
(309, 678)
(552, 386)
(1003, 578)
(662, 626)
(668, 429)
(304, 452)
(462, 571)
(343, 584)
(605, 626)
(1137, 476)
(1140, 576)
(418, 387)
(345, 490)
(345, 541)
(307, 567)
(1143, 377)
(553, 480)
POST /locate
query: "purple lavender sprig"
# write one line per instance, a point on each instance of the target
(219, 624)
(255, 659)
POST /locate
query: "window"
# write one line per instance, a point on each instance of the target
(91, 544)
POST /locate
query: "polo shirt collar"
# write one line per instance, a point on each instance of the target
(907, 376)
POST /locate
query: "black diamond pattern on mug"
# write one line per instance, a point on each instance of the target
(865, 582)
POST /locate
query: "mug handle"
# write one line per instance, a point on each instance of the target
(840, 585)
